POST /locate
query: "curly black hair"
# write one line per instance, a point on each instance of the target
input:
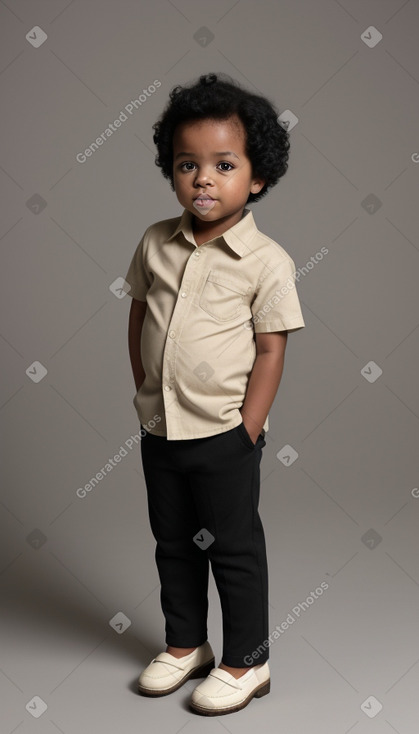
(267, 142)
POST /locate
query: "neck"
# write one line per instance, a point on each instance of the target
(214, 229)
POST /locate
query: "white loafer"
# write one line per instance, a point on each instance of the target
(166, 673)
(222, 693)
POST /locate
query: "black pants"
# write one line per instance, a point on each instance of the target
(203, 497)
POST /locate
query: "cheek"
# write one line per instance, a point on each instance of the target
(179, 180)
(177, 183)
(238, 181)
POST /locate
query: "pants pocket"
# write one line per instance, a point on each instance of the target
(245, 438)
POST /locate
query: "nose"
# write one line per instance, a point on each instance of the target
(203, 176)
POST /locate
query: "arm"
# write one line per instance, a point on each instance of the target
(135, 325)
(264, 380)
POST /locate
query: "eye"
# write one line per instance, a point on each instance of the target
(226, 163)
(187, 163)
(185, 166)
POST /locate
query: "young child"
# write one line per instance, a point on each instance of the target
(213, 300)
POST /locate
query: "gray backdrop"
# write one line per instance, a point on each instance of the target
(339, 493)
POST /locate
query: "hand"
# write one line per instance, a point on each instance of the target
(252, 434)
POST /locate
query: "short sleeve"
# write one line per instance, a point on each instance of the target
(136, 277)
(276, 306)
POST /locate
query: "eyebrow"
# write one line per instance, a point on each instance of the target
(222, 152)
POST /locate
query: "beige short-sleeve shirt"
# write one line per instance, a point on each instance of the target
(204, 304)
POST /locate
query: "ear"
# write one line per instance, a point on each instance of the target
(257, 185)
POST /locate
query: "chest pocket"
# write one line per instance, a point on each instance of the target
(222, 296)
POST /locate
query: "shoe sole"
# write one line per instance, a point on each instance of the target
(258, 692)
(201, 671)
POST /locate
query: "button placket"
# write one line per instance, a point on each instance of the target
(174, 328)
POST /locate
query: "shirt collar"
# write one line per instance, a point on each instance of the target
(238, 237)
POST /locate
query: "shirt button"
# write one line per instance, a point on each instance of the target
(172, 333)
(167, 387)
(197, 253)
(183, 294)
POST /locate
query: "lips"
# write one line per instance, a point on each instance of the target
(204, 203)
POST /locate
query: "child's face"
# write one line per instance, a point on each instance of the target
(202, 165)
